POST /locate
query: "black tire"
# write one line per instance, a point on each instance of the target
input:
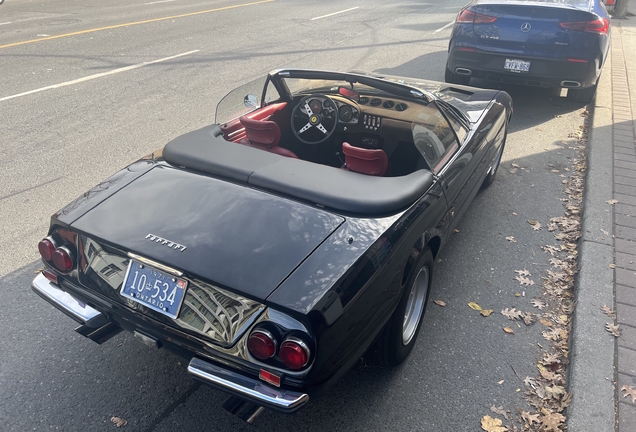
(453, 78)
(390, 349)
(584, 96)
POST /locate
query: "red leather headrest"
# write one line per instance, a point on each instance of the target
(365, 161)
(261, 133)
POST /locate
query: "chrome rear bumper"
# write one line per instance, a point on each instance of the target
(247, 388)
(77, 310)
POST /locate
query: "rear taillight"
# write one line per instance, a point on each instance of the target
(466, 17)
(63, 259)
(294, 353)
(261, 344)
(47, 248)
(599, 26)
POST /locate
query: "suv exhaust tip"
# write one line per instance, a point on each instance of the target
(463, 71)
(570, 84)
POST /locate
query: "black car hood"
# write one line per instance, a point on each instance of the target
(236, 237)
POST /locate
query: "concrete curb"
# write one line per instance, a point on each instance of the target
(592, 348)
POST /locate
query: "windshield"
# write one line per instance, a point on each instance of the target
(240, 101)
(304, 85)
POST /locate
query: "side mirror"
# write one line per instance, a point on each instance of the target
(250, 101)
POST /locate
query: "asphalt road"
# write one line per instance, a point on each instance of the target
(55, 143)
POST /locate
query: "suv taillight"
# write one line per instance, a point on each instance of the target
(466, 17)
(294, 353)
(599, 26)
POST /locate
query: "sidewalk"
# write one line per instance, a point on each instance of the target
(604, 367)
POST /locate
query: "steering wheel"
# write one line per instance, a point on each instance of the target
(314, 127)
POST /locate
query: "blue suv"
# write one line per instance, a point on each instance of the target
(535, 42)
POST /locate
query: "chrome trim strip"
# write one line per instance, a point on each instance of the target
(75, 309)
(154, 264)
(247, 388)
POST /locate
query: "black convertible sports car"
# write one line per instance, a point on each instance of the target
(276, 247)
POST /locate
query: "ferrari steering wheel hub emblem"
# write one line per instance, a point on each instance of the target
(525, 27)
(314, 120)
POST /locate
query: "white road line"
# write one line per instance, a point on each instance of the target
(445, 27)
(99, 75)
(160, 1)
(8, 22)
(335, 13)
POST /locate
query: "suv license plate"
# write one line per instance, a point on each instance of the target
(154, 289)
(517, 66)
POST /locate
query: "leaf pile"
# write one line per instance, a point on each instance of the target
(546, 392)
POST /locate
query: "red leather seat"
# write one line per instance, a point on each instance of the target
(264, 135)
(365, 161)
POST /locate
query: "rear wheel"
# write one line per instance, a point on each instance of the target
(398, 337)
(453, 78)
(582, 95)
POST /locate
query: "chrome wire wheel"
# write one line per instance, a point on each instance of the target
(415, 306)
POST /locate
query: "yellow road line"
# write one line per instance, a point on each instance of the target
(134, 23)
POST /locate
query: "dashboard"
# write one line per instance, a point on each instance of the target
(349, 112)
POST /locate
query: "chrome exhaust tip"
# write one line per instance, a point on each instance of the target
(463, 71)
(570, 84)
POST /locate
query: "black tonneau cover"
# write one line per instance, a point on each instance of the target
(207, 151)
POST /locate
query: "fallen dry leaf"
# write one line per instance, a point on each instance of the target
(511, 314)
(528, 318)
(613, 329)
(511, 239)
(514, 165)
(532, 222)
(554, 392)
(552, 421)
(551, 358)
(523, 272)
(500, 382)
(612, 266)
(629, 391)
(612, 201)
(499, 410)
(609, 312)
(490, 424)
(514, 214)
(530, 382)
(474, 306)
(439, 303)
(486, 312)
(565, 401)
(538, 303)
(530, 418)
(524, 281)
(536, 226)
(508, 330)
(545, 322)
(118, 421)
(455, 231)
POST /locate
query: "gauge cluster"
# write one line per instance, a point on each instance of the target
(325, 107)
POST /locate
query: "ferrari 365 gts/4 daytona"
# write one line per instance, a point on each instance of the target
(274, 248)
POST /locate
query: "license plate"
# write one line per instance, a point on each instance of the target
(517, 65)
(153, 288)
